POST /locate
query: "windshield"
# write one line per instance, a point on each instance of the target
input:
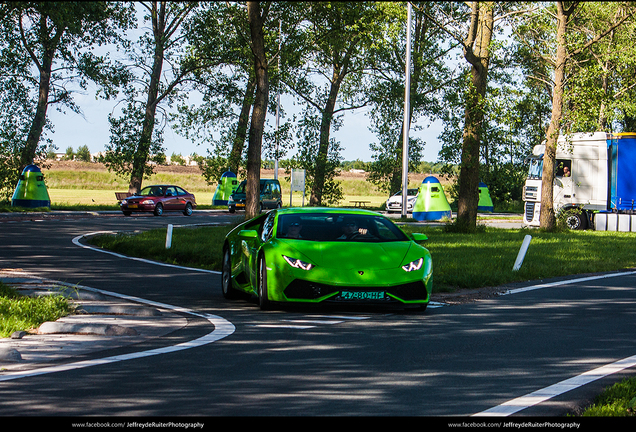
(241, 187)
(536, 168)
(338, 227)
(409, 192)
(151, 191)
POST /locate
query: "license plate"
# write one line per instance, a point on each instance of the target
(362, 295)
(132, 205)
(240, 205)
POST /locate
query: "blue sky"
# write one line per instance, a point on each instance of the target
(92, 129)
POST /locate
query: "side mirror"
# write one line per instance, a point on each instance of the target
(418, 237)
(248, 233)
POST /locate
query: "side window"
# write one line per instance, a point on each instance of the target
(268, 226)
(563, 168)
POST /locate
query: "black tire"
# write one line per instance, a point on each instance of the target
(188, 210)
(127, 213)
(231, 209)
(158, 209)
(263, 300)
(226, 277)
(576, 220)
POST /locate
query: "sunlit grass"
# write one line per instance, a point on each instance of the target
(459, 260)
(192, 247)
(97, 187)
(486, 258)
(619, 400)
(18, 312)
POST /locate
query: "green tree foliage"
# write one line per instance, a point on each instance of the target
(83, 153)
(46, 46)
(124, 137)
(514, 106)
(135, 139)
(338, 37)
(429, 75)
(565, 39)
(69, 155)
(600, 94)
(219, 34)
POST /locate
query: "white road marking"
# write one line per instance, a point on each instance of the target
(542, 395)
(539, 396)
(77, 239)
(436, 304)
(288, 326)
(222, 329)
(304, 324)
(566, 282)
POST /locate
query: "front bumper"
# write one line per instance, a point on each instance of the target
(307, 291)
(397, 206)
(137, 207)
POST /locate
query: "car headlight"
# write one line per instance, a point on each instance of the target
(296, 263)
(148, 202)
(124, 202)
(413, 265)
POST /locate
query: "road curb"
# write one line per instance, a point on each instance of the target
(98, 322)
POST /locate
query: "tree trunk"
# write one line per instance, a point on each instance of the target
(259, 111)
(547, 218)
(234, 161)
(142, 153)
(37, 125)
(482, 21)
(323, 150)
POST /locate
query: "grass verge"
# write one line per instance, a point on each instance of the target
(618, 400)
(477, 260)
(18, 312)
(192, 247)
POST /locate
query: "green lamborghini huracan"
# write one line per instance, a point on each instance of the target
(326, 255)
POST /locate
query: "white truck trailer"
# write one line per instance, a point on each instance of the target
(594, 184)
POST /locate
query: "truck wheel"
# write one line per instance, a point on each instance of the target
(576, 220)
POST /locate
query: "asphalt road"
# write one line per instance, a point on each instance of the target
(450, 361)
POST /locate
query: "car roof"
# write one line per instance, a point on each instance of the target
(262, 180)
(313, 210)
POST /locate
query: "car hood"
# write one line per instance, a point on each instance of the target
(349, 255)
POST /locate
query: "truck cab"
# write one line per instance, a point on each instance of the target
(580, 182)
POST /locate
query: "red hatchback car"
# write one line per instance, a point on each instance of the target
(158, 199)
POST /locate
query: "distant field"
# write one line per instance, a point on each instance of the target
(81, 183)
